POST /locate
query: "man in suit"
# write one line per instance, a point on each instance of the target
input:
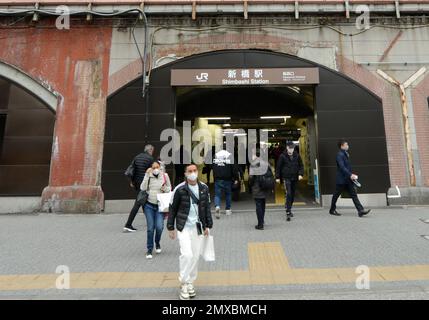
(344, 180)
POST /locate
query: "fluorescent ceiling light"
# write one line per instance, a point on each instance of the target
(275, 117)
(217, 118)
(269, 130)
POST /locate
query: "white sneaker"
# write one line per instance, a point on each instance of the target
(217, 212)
(149, 255)
(129, 229)
(184, 294)
(191, 290)
(228, 212)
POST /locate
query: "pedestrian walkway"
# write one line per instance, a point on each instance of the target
(315, 250)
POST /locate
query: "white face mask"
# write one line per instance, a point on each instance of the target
(155, 172)
(192, 176)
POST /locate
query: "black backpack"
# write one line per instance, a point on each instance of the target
(267, 181)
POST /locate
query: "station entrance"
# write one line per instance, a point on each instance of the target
(284, 113)
(326, 110)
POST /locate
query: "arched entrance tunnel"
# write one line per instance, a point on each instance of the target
(26, 131)
(317, 114)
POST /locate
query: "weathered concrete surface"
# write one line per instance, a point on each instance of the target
(408, 196)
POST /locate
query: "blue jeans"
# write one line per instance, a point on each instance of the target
(226, 186)
(155, 224)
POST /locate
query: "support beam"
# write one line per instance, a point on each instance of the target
(36, 14)
(88, 15)
(194, 10)
(296, 10)
(398, 10)
(347, 5)
(142, 9)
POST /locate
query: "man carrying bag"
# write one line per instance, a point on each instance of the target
(190, 214)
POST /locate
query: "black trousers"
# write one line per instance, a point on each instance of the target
(134, 211)
(290, 189)
(351, 190)
(260, 210)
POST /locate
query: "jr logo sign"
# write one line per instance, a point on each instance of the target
(203, 77)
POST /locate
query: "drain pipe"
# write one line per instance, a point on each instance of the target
(409, 126)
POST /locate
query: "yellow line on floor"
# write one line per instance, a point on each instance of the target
(268, 265)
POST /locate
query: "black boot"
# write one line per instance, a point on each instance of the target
(363, 212)
(334, 213)
(288, 215)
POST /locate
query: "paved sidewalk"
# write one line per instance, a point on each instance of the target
(314, 256)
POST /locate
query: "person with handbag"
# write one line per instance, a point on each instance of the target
(155, 181)
(135, 173)
(345, 180)
(191, 216)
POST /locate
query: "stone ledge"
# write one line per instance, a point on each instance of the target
(408, 196)
(72, 199)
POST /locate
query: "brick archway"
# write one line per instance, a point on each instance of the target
(160, 110)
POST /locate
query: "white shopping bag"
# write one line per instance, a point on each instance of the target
(164, 201)
(207, 248)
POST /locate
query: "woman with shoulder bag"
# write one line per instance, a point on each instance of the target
(262, 186)
(155, 181)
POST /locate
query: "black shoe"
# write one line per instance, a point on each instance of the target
(334, 213)
(363, 212)
(258, 227)
(129, 229)
(291, 214)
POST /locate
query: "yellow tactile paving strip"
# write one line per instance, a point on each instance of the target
(268, 265)
(279, 195)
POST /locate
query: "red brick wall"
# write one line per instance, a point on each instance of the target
(421, 120)
(74, 63)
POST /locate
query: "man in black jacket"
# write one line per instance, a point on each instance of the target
(190, 214)
(225, 173)
(140, 163)
(290, 169)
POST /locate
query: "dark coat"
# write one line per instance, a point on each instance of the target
(257, 191)
(179, 208)
(142, 162)
(227, 172)
(289, 169)
(344, 168)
